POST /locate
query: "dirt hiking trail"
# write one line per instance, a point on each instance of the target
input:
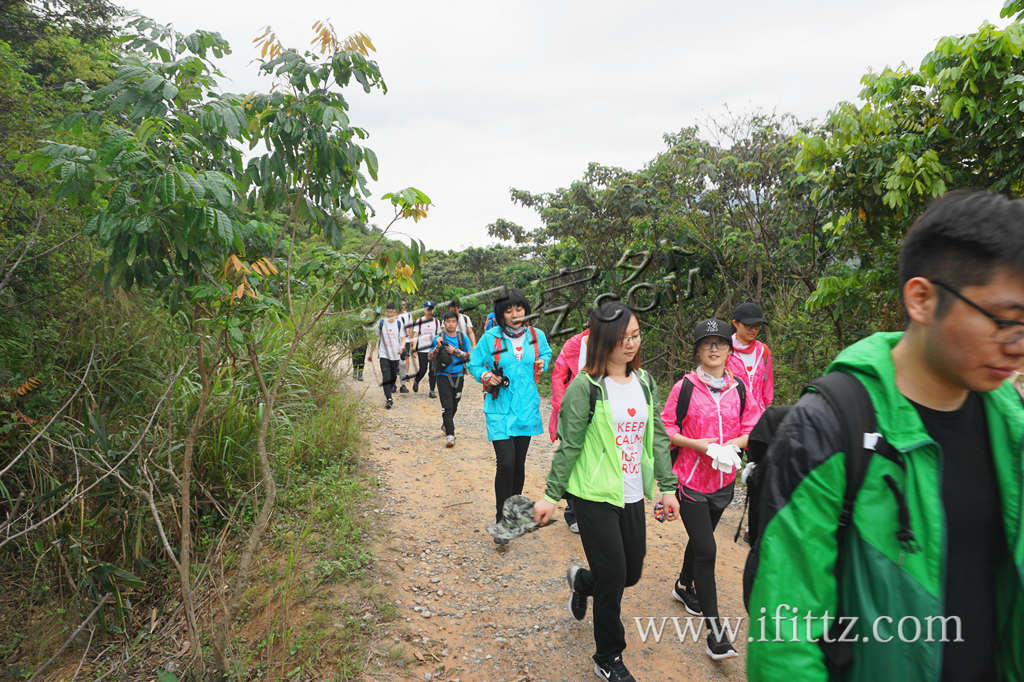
(470, 611)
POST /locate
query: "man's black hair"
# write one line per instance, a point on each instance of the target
(454, 303)
(512, 297)
(450, 315)
(390, 305)
(962, 239)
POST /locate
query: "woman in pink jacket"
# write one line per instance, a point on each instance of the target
(708, 439)
(571, 359)
(751, 360)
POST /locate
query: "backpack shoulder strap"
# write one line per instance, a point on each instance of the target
(742, 390)
(852, 405)
(595, 393)
(683, 401)
(645, 384)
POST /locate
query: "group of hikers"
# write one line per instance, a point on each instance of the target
(843, 541)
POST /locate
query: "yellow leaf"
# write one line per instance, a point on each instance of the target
(257, 267)
(269, 265)
(861, 214)
(239, 292)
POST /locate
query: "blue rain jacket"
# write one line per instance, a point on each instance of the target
(516, 411)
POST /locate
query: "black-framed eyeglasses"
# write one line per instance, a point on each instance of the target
(1007, 331)
(714, 345)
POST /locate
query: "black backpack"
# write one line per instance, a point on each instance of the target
(852, 406)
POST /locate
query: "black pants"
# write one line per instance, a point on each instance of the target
(570, 515)
(510, 469)
(615, 542)
(388, 374)
(701, 513)
(359, 360)
(426, 367)
(449, 390)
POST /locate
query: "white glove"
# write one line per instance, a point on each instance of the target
(747, 470)
(724, 458)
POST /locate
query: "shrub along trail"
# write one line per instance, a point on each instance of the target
(469, 611)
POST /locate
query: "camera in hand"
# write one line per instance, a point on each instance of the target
(443, 358)
(493, 390)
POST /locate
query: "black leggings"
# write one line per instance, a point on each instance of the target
(700, 514)
(510, 470)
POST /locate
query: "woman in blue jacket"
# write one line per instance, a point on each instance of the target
(507, 360)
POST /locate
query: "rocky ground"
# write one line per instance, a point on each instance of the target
(468, 610)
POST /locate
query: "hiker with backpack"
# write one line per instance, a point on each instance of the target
(707, 417)
(613, 452)
(508, 361)
(465, 324)
(751, 360)
(570, 361)
(449, 354)
(893, 498)
(408, 354)
(427, 329)
(390, 339)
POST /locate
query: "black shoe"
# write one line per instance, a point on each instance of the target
(613, 671)
(721, 647)
(388, 404)
(433, 394)
(577, 600)
(500, 541)
(688, 598)
(359, 376)
(403, 389)
(416, 387)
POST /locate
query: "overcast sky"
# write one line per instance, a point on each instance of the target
(485, 96)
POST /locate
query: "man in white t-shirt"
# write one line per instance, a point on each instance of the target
(390, 341)
(407, 353)
(427, 328)
(465, 324)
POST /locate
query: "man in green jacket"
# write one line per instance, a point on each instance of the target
(932, 581)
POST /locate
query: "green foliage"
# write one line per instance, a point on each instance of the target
(955, 122)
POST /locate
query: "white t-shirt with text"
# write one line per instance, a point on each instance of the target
(629, 419)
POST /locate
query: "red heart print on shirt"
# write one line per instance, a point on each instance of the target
(632, 411)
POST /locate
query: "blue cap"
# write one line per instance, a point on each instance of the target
(428, 304)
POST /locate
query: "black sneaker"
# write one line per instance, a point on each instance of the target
(500, 542)
(403, 389)
(688, 598)
(613, 671)
(720, 647)
(415, 387)
(388, 404)
(577, 600)
(433, 394)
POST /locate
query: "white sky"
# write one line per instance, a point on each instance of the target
(484, 96)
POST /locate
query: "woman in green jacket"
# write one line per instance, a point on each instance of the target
(613, 449)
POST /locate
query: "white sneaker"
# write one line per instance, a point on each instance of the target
(574, 527)
(449, 441)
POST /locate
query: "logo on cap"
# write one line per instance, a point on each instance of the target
(712, 327)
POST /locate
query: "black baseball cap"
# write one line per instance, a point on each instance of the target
(749, 313)
(712, 327)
